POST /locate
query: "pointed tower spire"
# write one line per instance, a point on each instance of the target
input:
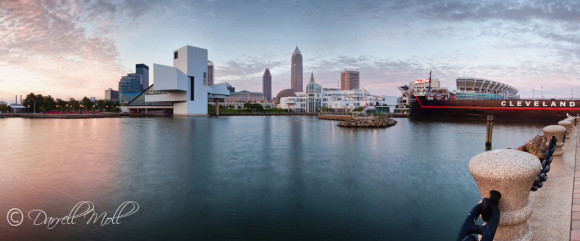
(312, 77)
(297, 51)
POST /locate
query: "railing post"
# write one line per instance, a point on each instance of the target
(512, 174)
(566, 124)
(558, 132)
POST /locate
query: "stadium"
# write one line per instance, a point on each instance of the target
(476, 88)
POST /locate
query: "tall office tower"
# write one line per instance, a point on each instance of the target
(143, 70)
(267, 84)
(209, 73)
(349, 80)
(296, 71)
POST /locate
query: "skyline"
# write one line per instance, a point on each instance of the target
(68, 49)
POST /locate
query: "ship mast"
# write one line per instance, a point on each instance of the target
(429, 81)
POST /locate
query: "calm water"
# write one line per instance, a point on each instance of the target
(245, 178)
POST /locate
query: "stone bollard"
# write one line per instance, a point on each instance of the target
(511, 173)
(558, 132)
(566, 124)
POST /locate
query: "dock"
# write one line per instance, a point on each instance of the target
(552, 204)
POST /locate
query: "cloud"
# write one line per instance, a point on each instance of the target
(67, 43)
(246, 66)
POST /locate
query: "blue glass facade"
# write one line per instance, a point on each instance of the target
(129, 88)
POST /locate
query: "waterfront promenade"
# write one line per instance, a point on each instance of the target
(552, 203)
(556, 206)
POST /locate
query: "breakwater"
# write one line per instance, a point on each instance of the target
(372, 122)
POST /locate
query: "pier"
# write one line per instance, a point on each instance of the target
(551, 211)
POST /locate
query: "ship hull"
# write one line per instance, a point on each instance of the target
(423, 107)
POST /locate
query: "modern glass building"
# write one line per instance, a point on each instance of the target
(143, 70)
(130, 86)
(313, 95)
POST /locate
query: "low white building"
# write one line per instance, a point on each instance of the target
(182, 89)
(315, 98)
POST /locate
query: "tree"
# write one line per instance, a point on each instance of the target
(31, 101)
(49, 103)
(86, 103)
(60, 104)
(4, 108)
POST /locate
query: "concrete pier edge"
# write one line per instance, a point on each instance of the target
(553, 214)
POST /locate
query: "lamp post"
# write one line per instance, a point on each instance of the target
(533, 90)
(542, 92)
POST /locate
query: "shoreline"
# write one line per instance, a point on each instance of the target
(111, 115)
(61, 116)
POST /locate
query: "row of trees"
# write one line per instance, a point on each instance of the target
(40, 103)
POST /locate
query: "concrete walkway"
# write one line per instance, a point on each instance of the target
(575, 223)
(552, 204)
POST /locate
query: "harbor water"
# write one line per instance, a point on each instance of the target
(244, 177)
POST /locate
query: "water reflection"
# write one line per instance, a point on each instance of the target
(255, 178)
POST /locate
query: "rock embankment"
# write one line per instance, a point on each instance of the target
(376, 122)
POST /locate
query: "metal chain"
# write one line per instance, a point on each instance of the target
(489, 211)
(543, 175)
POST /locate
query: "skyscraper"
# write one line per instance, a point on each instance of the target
(267, 84)
(296, 71)
(349, 80)
(143, 70)
(209, 73)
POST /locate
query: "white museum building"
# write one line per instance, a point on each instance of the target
(181, 89)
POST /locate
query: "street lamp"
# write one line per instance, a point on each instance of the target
(533, 93)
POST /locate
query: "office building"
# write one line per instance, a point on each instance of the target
(143, 70)
(231, 88)
(349, 80)
(130, 86)
(111, 94)
(296, 71)
(267, 84)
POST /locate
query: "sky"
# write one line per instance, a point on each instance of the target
(68, 48)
